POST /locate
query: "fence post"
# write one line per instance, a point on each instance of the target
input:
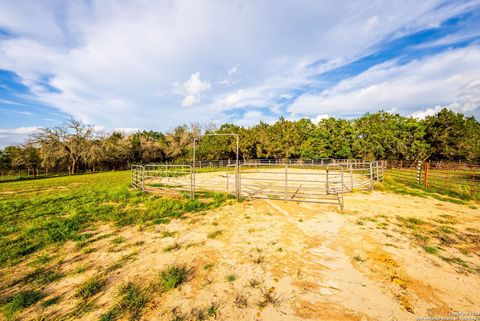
(376, 169)
(143, 178)
(383, 170)
(473, 183)
(341, 204)
(351, 177)
(286, 181)
(371, 176)
(326, 176)
(237, 180)
(227, 180)
(419, 172)
(425, 174)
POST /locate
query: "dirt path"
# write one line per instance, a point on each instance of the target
(272, 260)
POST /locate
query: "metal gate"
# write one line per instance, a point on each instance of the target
(173, 178)
(292, 182)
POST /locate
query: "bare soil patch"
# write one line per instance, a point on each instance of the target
(273, 260)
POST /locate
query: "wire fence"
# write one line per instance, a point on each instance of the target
(455, 179)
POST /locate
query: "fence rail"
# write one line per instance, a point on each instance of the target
(457, 179)
(320, 181)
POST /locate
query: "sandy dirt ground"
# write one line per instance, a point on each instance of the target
(275, 260)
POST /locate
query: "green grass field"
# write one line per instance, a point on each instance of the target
(37, 213)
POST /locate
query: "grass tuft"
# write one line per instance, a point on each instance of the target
(118, 240)
(231, 278)
(132, 302)
(91, 287)
(172, 247)
(241, 301)
(173, 276)
(431, 249)
(214, 234)
(254, 283)
(18, 302)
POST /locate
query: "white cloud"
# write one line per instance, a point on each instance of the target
(195, 85)
(449, 78)
(317, 119)
(421, 114)
(14, 136)
(253, 117)
(19, 130)
(189, 100)
(192, 88)
(114, 63)
(127, 130)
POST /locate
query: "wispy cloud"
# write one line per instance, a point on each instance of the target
(449, 78)
(113, 63)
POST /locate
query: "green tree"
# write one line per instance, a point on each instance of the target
(445, 133)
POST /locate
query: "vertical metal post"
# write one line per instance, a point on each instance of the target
(371, 176)
(376, 169)
(351, 177)
(143, 178)
(425, 174)
(419, 172)
(326, 178)
(238, 182)
(227, 180)
(237, 166)
(192, 180)
(341, 204)
(192, 192)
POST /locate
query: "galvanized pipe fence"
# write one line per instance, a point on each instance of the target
(318, 181)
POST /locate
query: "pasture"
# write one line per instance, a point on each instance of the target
(88, 247)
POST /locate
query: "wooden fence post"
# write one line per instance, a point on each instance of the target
(473, 183)
(425, 174)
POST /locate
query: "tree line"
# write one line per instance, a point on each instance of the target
(75, 146)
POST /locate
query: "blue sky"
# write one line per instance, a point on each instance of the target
(127, 65)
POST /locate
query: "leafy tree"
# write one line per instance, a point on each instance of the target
(28, 157)
(445, 133)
